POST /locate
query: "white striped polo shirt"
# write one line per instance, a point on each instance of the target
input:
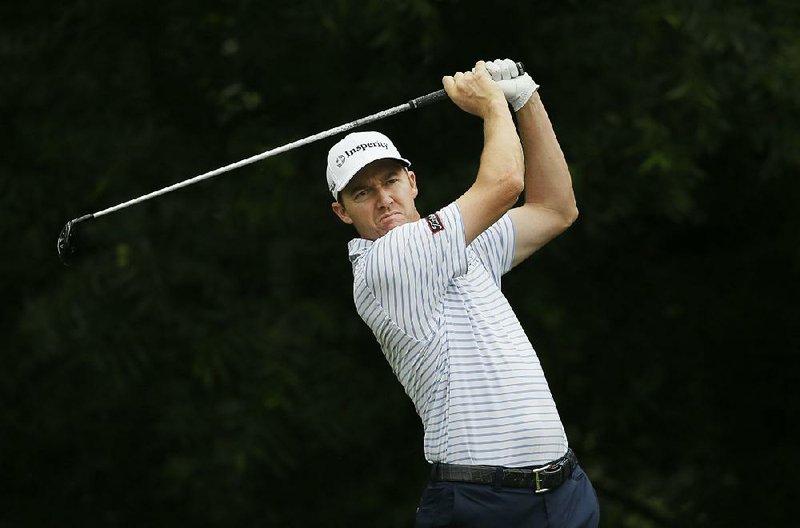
(453, 341)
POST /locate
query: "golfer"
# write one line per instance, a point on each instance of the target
(429, 288)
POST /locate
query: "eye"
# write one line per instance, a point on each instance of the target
(360, 194)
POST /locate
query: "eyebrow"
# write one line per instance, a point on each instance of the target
(383, 177)
(392, 173)
(353, 190)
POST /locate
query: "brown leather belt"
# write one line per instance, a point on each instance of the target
(540, 479)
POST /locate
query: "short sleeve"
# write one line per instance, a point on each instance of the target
(409, 269)
(495, 247)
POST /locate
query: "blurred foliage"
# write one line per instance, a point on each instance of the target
(201, 362)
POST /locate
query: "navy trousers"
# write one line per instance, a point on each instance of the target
(466, 505)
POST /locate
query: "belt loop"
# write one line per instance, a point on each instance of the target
(434, 467)
(497, 481)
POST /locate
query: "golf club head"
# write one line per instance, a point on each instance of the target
(66, 239)
(64, 244)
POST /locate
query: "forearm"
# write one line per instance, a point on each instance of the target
(547, 180)
(502, 161)
(499, 181)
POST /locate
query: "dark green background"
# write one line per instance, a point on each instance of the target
(201, 363)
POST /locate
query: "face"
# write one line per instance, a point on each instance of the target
(379, 198)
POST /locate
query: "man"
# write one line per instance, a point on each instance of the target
(429, 288)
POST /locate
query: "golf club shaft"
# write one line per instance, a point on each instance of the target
(66, 248)
(414, 103)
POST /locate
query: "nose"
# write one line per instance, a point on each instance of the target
(384, 198)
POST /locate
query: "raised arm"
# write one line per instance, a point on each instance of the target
(500, 176)
(549, 207)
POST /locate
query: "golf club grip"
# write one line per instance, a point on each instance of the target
(435, 97)
(430, 98)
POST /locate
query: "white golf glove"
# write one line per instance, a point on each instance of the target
(517, 88)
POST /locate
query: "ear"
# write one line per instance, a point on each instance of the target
(341, 212)
(412, 181)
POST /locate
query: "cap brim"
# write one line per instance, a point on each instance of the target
(336, 190)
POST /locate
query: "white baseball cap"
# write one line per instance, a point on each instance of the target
(354, 152)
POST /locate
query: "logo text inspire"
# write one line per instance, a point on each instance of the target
(358, 148)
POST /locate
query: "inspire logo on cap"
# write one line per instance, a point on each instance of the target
(354, 152)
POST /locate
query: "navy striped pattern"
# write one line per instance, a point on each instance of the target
(455, 344)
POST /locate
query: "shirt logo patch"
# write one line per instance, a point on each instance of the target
(435, 223)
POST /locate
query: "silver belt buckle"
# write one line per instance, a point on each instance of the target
(555, 467)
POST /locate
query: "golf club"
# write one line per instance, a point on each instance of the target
(66, 247)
